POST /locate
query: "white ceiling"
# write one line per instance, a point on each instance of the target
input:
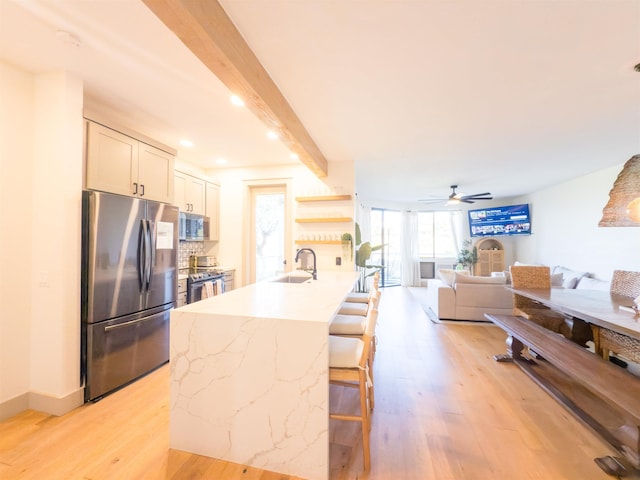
(500, 96)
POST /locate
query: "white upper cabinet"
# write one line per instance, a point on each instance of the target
(213, 211)
(118, 163)
(189, 193)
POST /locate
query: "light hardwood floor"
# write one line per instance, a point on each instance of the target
(444, 410)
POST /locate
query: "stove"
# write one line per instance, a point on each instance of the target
(196, 279)
(202, 275)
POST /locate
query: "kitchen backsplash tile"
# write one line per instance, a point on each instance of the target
(186, 249)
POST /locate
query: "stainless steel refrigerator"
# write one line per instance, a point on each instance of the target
(129, 284)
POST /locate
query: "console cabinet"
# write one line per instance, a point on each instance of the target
(490, 257)
(119, 163)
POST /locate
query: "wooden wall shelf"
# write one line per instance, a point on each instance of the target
(318, 242)
(323, 198)
(323, 220)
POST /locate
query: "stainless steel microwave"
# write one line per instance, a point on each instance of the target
(193, 227)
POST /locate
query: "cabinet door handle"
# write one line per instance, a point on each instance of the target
(135, 191)
(142, 187)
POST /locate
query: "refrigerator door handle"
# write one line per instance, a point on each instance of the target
(108, 328)
(142, 253)
(145, 267)
(150, 253)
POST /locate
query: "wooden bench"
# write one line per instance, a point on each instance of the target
(614, 386)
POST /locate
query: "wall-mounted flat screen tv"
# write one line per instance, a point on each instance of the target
(496, 221)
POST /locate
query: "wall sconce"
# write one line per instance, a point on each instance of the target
(623, 207)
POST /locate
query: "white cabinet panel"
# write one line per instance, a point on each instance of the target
(189, 193)
(118, 163)
(213, 210)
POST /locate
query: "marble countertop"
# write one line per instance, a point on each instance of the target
(315, 301)
(250, 374)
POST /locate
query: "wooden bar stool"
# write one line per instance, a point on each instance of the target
(353, 324)
(349, 367)
(363, 297)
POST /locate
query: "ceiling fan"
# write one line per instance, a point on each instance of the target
(460, 198)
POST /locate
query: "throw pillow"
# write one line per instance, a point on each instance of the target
(556, 279)
(570, 277)
(447, 276)
(587, 283)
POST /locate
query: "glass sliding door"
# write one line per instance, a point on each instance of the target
(386, 230)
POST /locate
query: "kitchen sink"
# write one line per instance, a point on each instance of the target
(292, 279)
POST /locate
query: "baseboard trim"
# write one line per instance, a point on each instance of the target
(13, 406)
(42, 403)
(54, 405)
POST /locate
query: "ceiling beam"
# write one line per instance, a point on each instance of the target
(205, 28)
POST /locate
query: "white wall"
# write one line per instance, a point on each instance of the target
(233, 210)
(41, 184)
(16, 171)
(564, 221)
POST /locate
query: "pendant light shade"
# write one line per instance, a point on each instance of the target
(623, 207)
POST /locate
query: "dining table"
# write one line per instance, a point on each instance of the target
(596, 307)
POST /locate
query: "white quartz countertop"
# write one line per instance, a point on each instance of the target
(316, 301)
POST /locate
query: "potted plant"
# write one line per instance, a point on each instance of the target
(467, 257)
(363, 253)
(347, 245)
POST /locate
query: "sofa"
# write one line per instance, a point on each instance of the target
(459, 296)
(456, 295)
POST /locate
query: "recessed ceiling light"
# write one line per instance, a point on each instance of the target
(236, 100)
(295, 156)
(272, 135)
(222, 161)
(186, 143)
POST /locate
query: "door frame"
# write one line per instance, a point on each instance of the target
(247, 254)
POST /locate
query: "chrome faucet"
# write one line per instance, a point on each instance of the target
(315, 271)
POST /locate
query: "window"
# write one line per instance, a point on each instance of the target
(438, 233)
(267, 225)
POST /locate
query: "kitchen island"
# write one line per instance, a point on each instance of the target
(249, 374)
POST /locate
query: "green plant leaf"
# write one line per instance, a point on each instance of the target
(363, 254)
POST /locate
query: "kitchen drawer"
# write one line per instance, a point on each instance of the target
(228, 280)
(182, 299)
(182, 286)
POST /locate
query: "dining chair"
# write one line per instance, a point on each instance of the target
(534, 276)
(627, 284)
(349, 367)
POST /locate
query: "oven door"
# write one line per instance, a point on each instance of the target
(195, 289)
